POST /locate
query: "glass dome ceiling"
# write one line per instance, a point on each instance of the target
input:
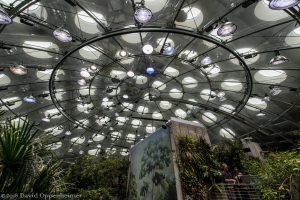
(82, 97)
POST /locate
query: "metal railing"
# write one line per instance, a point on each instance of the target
(246, 190)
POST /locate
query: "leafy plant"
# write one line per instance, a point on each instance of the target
(230, 152)
(21, 163)
(198, 168)
(274, 173)
(92, 178)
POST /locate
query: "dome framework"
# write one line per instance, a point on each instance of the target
(112, 111)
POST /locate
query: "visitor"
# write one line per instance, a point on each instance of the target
(227, 176)
(237, 175)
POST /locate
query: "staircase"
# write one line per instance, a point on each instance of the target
(236, 192)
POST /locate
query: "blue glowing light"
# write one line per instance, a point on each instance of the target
(150, 70)
(30, 99)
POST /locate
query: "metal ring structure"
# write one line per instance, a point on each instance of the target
(111, 34)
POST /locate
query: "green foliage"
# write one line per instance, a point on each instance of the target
(198, 168)
(230, 152)
(21, 159)
(274, 173)
(92, 178)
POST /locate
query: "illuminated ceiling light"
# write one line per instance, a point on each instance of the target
(46, 119)
(282, 4)
(147, 49)
(105, 99)
(68, 133)
(266, 98)
(84, 73)
(18, 69)
(143, 14)
(212, 69)
(30, 99)
(278, 59)
(220, 94)
(260, 114)
(4, 17)
(226, 29)
(81, 82)
(275, 90)
(130, 73)
(123, 53)
(169, 50)
(62, 35)
(93, 68)
(150, 70)
(206, 61)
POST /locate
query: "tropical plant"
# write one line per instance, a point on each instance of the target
(98, 178)
(230, 152)
(198, 168)
(22, 166)
(274, 172)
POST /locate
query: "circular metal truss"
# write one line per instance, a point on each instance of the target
(241, 103)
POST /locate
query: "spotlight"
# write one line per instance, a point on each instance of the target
(260, 114)
(226, 29)
(123, 53)
(220, 94)
(169, 50)
(84, 73)
(278, 59)
(125, 96)
(18, 70)
(282, 4)
(62, 35)
(68, 133)
(206, 61)
(275, 90)
(130, 73)
(93, 68)
(4, 17)
(46, 119)
(142, 14)
(147, 49)
(29, 99)
(266, 98)
(81, 82)
(150, 70)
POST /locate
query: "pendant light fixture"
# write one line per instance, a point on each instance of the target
(169, 50)
(18, 70)
(4, 17)
(150, 70)
(62, 35)
(142, 14)
(29, 99)
(282, 4)
(278, 59)
(226, 29)
(147, 49)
